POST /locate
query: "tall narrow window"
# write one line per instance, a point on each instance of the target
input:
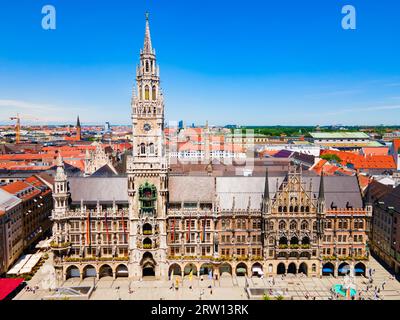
(147, 66)
(142, 149)
(154, 93)
(151, 148)
(147, 93)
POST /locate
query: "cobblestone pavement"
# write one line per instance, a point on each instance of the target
(227, 288)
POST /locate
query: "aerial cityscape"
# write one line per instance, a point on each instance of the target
(150, 208)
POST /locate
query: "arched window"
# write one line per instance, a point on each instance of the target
(140, 93)
(282, 240)
(293, 225)
(282, 225)
(146, 93)
(280, 208)
(142, 148)
(147, 66)
(304, 225)
(151, 147)
(154, 93)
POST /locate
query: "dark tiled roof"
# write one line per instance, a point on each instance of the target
(93, 189)
(283, 154)
(307, 158)
(377, 190)
(104, 171)
(392, 199)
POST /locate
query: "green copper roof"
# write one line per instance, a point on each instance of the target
(339, 135)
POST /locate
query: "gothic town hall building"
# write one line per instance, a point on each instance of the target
(161, 219)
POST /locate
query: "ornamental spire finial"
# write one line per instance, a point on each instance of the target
(147, 48)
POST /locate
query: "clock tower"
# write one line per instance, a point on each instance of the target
(147, 170)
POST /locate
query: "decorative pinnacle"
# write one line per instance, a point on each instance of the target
(147, 48)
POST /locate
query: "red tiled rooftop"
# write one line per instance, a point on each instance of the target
(15, 187)
(363, 162)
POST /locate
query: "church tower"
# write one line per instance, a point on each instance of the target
(78, 130)
(147, 170)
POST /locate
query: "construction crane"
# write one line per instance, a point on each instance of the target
(17, 128)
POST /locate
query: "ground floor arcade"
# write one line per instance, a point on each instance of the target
(208, 269)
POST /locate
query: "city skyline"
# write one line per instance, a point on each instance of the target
(314, 73)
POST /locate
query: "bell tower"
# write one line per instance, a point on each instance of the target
(147, 170)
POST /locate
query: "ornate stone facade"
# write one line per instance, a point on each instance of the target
(156, 221)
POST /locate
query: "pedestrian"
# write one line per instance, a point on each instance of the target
(210, 291)
(383, 285)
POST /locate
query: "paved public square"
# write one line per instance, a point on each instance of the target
(226, 288)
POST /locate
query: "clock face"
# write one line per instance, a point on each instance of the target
(147, 127)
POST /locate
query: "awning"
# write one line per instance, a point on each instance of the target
(32, 262)
(241, 270)
(359, 270)
(344, 270)
(19, 264)
(327, 270)
(8, 286)
(258, 270)
(44, 244)
(123, 271)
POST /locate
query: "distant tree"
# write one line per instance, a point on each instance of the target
(331, 158)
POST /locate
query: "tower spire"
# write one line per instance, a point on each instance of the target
(321, 193)
(266, 186)
(147, 47)
(78, 129)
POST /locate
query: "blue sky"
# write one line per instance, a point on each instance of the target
(254, 62)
